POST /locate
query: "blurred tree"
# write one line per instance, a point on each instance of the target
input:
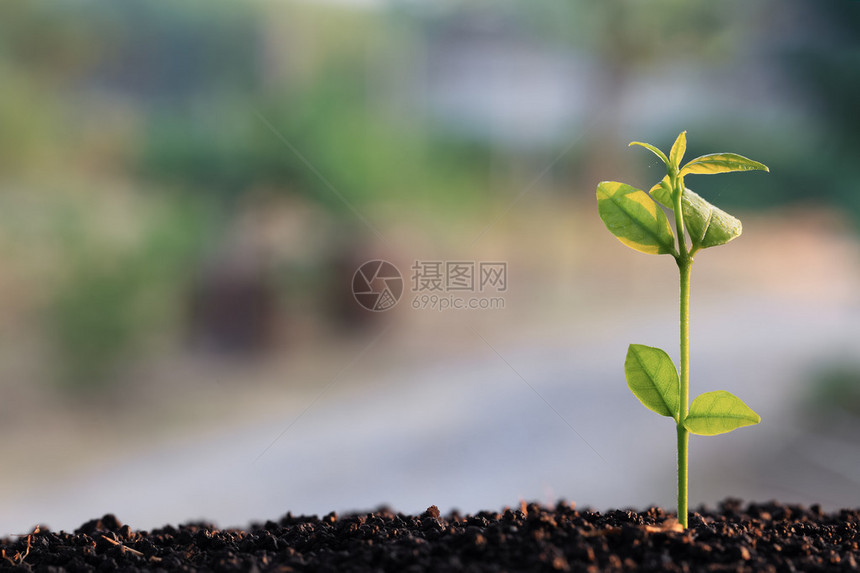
(204, 109)
(824, 57)
(114, 297)
(811, 50)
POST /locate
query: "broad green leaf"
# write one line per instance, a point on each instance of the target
(652, 378)
(653, 150)
(678, 149)
(634, 218)
(708, 226)
(662, 193)
(721, 163)
(718, 412)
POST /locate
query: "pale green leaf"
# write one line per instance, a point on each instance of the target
(662, 193)
(653, 150)
(708, 226)
(717, 413)
(652, 378)
(678, 149)
(721, 163)
(634, 218)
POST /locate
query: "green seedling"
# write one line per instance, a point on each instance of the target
(637, 220)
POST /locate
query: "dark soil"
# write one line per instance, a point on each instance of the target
(758, 537)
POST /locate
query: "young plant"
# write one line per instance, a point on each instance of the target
(635, 218)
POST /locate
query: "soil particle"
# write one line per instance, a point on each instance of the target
(759, 537)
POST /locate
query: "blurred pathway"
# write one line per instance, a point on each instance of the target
(477, 433)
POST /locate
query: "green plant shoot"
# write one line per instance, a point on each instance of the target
(637, 219)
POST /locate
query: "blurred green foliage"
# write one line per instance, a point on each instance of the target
(113, 298)
(835, 388)
(828, 66)
(205, 131)
(197, 104)
(321, 136)
(813, 156)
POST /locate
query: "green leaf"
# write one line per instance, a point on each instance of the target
(634, 218)
(653, 150)
(718, 412)
(721, 163)
(678, 149)
(708, 226)
(652, 378)
(662, 193)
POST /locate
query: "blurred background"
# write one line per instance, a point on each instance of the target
(186, 191)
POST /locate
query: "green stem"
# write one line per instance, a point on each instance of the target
(685, 265)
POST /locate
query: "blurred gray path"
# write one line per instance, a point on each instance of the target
(477, 433)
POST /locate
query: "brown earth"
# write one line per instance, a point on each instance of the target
(757, 537)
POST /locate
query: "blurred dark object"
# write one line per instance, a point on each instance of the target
(343, 309)
(233, 307)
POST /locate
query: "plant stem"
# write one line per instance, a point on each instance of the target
(685, 265)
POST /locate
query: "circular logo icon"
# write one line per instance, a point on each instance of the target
(377, 285)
